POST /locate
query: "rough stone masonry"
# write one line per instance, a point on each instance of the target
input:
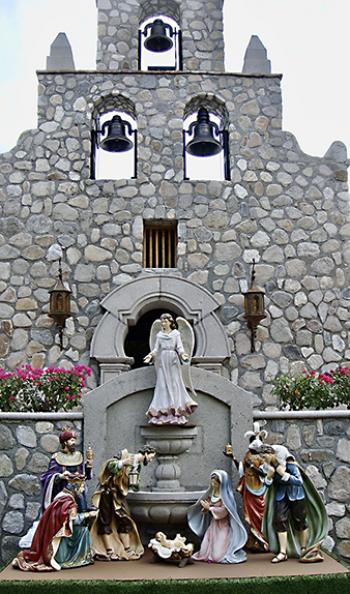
(288, 210)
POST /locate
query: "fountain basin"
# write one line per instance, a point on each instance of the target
(161, 508)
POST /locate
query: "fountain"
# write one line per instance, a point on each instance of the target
(168, 500)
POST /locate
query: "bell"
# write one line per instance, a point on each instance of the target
(158, 41)
(203, 144)
(116, 140)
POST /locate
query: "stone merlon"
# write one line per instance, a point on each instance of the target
(61, 55)
(255, 58)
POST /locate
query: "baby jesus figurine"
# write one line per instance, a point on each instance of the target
(171, 549)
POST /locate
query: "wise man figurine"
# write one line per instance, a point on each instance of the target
(64, 465)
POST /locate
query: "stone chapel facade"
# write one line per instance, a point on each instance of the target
(285, 209)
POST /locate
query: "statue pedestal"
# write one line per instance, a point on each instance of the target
(168, 501)
(170, 442)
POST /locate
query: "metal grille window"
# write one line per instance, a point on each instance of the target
(159, 244)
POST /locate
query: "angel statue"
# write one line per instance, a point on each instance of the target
(171, 403)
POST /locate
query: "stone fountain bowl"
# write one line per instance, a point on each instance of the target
(161, 508)
(169, 440)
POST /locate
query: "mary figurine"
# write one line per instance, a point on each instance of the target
(214, 518)
(171, 403)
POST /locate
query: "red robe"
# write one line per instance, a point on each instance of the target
(53, 519)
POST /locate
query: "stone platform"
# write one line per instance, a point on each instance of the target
(145, 569)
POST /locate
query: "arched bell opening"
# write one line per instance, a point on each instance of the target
(114, 144)
(206, 138)
(206, 145)
(160, 44)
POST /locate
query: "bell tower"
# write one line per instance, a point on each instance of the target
(200, 23)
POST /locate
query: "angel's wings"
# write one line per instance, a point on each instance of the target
(187, 335)
(186, 332)
(155, 328)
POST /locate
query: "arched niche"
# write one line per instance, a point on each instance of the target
(126, 304)
(160, 36)
(119, 160)
(206, 139)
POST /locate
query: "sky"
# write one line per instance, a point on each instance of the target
(307, 41)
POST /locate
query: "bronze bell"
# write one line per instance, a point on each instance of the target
(116, 140)
(158, 41)
(203, 143)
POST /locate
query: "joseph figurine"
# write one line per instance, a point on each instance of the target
(114, 533)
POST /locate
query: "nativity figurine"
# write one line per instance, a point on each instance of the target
(256, 476)
(171, 403)
(174, 550)
(66, 464)
(214, 518)
(295, 521)
(114, 533)
(62, 539)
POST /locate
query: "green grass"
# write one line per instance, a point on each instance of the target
(324, 584)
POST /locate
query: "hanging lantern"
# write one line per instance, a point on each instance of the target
(116, 140)
(158, 41)
(59, 305)
(204, 143)
(254, 307)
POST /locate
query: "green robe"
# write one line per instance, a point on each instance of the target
(316, 516)
(75, 550)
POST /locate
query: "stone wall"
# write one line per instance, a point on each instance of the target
(287, 210)
(321, 444)
(26, 445)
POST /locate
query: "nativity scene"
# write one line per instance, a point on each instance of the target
(211, 432)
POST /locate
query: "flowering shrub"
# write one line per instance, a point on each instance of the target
(314, 390)
(42, 390)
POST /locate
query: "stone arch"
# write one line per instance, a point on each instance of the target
(113, 101)
(151, 8)
(126, 304)
(211, 102)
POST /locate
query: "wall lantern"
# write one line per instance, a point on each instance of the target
(59, 305)
(116, 140)
(254, 307)
(158, 41)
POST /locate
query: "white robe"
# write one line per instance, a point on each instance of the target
(171, 401)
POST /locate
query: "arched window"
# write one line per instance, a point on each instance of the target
(160, 44)
(114, 144)
(206, 144)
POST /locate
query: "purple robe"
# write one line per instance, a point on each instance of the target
(52, 484)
